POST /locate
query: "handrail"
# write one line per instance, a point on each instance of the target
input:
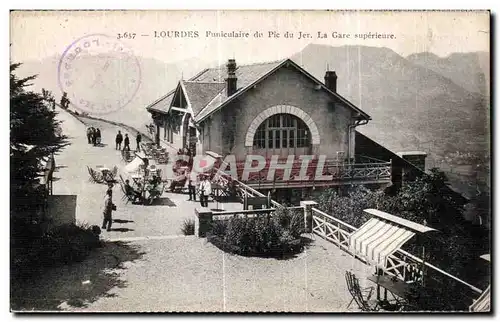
(472, 287)
(439, 270)
(326, 163)
(242, 212)
(334, 219)
(355, 229)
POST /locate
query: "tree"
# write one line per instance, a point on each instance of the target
(35, 135)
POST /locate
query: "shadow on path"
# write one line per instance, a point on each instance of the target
(164, 201)
(76, 285)
(122, 230)
(122, 221)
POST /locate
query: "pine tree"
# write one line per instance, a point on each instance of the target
(35, 135)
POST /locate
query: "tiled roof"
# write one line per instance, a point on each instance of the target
(206, 90)
(163, 103)
(210, 83)
(201, 93)
(247, 75)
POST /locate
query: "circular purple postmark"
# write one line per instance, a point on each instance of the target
(99, 73)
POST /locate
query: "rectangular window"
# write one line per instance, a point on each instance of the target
(260, 138)
(291, 139)
(300, 138)
(270, 139)
(277, 139)
(284, 139)
(274, 121)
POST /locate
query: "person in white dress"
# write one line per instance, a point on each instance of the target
(205, 191)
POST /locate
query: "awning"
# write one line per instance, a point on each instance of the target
(483, 303)
(382, 235)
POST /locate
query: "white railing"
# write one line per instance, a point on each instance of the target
(331, 228)
(366, 170)
(401, 264)
(337, 171)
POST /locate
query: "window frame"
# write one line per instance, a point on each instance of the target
(282, 128)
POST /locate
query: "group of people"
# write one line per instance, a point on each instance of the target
(126, 142)
(185, 151)
(134, 194)
(94, 135)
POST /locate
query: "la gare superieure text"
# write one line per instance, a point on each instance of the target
(259, 34)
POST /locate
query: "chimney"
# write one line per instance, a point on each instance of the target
(231, 80)
(331, 81)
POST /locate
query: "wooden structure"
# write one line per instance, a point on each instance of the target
(383, 235)
(399, 264)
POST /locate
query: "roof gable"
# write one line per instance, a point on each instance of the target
(201, 93)
(180, 99)
(163, 103)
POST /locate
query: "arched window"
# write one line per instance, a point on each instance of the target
(282, 131)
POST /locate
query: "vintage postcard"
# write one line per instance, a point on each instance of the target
(250, 161)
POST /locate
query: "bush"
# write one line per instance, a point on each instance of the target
(188, 227)
(61, 245)
(278, 234)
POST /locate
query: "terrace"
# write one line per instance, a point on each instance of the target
(312, 172)
(399, 265)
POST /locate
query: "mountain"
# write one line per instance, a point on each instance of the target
(412, 107)
(469, 70)
(156, 79)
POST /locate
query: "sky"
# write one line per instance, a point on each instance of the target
(35, 35)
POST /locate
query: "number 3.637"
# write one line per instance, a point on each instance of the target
(126, 35)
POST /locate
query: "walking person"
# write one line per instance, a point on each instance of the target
(119, 140)
(126, 143)
(205, 191)
(192, 186)
(138, 141)
(107, 210)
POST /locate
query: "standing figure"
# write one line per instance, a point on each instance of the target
(89, 135)
(94, 136)
(192, 186)
(205, 191)
(107, 210)
(119, 140)
(138, 141)
(98, 136)
(126, 143)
